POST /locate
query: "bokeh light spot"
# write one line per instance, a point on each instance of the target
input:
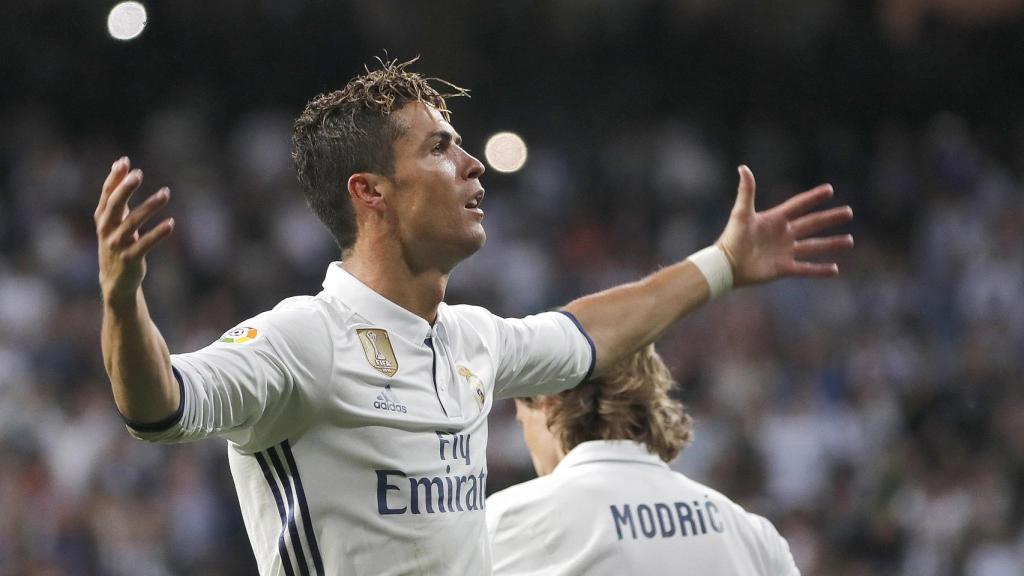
(505, 152)
(126, 20)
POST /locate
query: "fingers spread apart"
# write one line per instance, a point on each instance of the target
(811, 247)
(811, 269)
(138, 216)
(117, 226)
(147, 241)
(112, 212)
(802, 203)
(117, 171)
(817, 221)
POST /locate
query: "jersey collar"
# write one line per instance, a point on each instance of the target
(609, 451)
(373, 307)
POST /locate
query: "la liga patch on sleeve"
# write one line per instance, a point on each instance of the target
(239, 335)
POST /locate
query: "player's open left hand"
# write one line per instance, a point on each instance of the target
(122, 250)
(776, 243)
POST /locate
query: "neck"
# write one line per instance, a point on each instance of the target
(419, 291)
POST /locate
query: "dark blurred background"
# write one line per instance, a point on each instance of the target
(877, 419)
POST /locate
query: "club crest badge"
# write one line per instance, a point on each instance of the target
(378, 350)
(239, 335)
(475, 384)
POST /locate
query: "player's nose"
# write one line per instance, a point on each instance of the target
(474, 167)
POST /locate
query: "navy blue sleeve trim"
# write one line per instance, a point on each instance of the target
(168, 422)
(593, 350)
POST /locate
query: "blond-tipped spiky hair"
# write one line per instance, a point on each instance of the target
(348, 131)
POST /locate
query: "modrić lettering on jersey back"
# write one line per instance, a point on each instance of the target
(666, 520)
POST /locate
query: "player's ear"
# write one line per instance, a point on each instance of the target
(364, 189)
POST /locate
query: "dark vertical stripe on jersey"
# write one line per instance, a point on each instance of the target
(433, 371)
(282, 548)
(293, 529)
(307, 520)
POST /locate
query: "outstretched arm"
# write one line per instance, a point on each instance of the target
(758, 246)
(134, 353)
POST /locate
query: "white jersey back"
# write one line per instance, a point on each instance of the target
(357, 431)
(612, 508)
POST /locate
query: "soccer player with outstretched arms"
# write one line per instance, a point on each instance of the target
(356, 418)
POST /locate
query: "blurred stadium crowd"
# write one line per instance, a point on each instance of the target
(878, 419)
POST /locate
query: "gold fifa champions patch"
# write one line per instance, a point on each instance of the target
(378, 350)
(239, 335)
(475, 384)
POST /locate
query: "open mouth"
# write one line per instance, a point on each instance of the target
(475, 201)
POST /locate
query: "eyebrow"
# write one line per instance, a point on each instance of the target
(445, 137)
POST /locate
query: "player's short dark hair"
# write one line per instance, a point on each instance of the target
(631, 401)
(350, 130)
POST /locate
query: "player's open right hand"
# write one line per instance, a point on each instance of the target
(122, 250)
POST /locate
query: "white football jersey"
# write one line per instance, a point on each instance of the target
(357, 431)
(612, 507)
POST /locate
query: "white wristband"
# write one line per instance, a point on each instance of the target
(715, 267)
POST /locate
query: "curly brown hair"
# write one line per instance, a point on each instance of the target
(632, 401)
(350, 130)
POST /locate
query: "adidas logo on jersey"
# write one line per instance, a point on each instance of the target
(387, 400)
